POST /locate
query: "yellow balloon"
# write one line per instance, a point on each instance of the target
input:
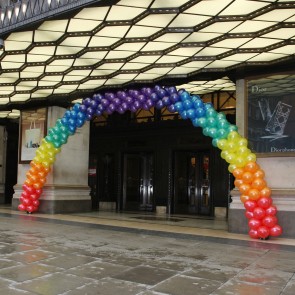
(251, 158)
(222, 144)
(230, 158)
(233, 135)
(243, 142)
(232, 146)
(224, 153)
(231, 168)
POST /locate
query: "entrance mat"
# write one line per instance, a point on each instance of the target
(158, 218)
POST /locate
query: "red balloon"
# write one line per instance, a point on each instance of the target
(30, 209)
(253, 233)
(21, 207)
(29, 189)
(254, 223)
(276, 231)
(270, 221)
(249, 214)
(263, 232)
(27, 201)
(36, 203)
(258, 213)
(38, 191)
(35, 197)
(21, 199)
(25, 194)
(250, 205)
(272, 210)
(264, 202)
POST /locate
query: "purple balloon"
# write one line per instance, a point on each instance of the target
(90, 111)
(129, 100)
(86, 101)
(133, 109)
(120, 110)
(109, 96)
(172, 90)
(93, 104)
(171, 108)
(98, 113)
(105, 103)
(159, 105)
(161, 92)
(98, 97)
(148, 91)
(116, 101)
(136, 104)
(83, 108)
(111, 108)
(150, 103)
(135, 93)
(141, 98)
(124, 106)
(122, 95)
(154, 97)
(174, 97)
(145, 107)
(100, 107)
(157, 88)
(166, 101)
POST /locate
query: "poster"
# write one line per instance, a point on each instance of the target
(271, 114)
(32, 130)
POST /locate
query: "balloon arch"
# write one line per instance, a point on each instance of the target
(249, 177)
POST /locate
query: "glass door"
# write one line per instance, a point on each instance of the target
(192, 183)
(138, 182)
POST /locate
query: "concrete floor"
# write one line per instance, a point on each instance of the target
(103, 253)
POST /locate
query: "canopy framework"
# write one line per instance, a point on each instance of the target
(134, 43)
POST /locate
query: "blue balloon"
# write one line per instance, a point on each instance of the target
(187, 104)
(198, 103)
(179, 107)
(196, 98)
(166, 101)
(184, 96)
(202, 122)
(76, 107)
(183, 115)
(208, 105)
(200, 112)
(67, 114)
(154, 97)
(159, 105)
(80, 122)
(191, 113)
(195, 122)
(83, 108)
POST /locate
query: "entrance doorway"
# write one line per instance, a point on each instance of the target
(138, 181)
(192, 183)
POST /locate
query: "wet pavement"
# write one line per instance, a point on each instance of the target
(52, 256)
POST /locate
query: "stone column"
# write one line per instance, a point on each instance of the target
(2, 163)
(67, 188)
(279, 176)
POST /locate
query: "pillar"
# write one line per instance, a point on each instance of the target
(66, 189)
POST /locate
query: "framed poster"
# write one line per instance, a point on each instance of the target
(32, 130)
(271, 114)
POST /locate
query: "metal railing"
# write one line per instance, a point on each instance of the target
(26, 12)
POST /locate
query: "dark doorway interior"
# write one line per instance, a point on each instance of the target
(138, 182)
(192, 183)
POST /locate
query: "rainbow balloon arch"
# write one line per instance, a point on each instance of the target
(249, 177)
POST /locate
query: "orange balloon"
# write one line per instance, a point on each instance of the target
(258, 183)
(247, 177)
(244, 198)
(254, 194)
(238, 182)
(37, 185)
(259, 174)
(28, 182)
(244, 188)
(238, 172)
(265, 192)
(251, 167)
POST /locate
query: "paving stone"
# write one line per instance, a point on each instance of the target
(54, 284)
(269, 277)
(108, 287)
(180, 285)
(290, 287)
(5, 263)
(235, 287)
(145, 275)
(27, 272)
(30, 256)
(97, 270)
(12, 248)
(68, 261)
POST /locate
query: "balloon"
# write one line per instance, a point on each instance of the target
(259, 174)
(187, 104)
(271, 210)
(238, 182)
(233, 135)
(258, 183)
(258, 213)
(265, 192)
(200, 112)
(269, 221)
(250, 205)
(178, 107)
(247, 177)
(263, 232)
(191, 113)
(251, 157)
(253, 233)
(21, 207)
(30, 208)
(264, 202)
(244, 188)
(254, 223)
(276, 231)
(249, 214)
(238, 173)
(254, 194)
(222, 144)
(244, 198)
(36, 203)
(232, 167)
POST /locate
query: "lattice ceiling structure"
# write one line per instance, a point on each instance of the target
(131, 43)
